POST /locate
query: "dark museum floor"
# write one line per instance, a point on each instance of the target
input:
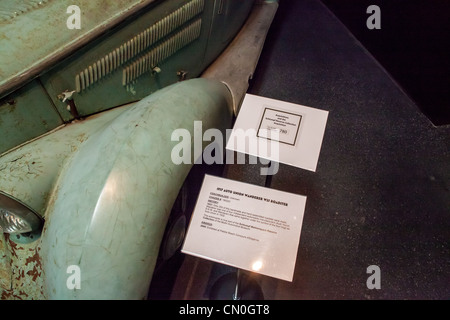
(381, 191)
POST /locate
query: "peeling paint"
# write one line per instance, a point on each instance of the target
(25, 271)
(5, 265)
(21, 271)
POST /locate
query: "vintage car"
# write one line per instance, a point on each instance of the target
(90, 93)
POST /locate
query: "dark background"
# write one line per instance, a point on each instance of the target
(412, 45)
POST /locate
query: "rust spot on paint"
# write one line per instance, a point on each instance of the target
(37, 267)
(14, 247)
(34, 258)
(26, 268)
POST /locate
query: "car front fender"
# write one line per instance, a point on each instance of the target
(107, 214)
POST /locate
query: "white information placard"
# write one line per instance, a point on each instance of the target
(287, 123)
(300, 130)
(246, 226)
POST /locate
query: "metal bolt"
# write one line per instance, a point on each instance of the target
(182, 75)
(66, 95)
(156, 70)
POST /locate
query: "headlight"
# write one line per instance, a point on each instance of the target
(16, 217)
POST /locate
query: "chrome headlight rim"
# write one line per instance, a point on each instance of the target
(14, 207)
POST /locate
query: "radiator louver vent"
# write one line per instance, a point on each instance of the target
(132, 50)
(161, 52)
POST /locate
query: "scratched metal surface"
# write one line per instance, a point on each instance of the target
(32, 171)
(105, 196)
(36, 49)
(9, 9)
(20, 270)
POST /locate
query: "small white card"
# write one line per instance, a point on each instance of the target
(246, 226)
(299, 131)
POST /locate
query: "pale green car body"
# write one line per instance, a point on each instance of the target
(86, 118)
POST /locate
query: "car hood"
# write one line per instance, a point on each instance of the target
(34, 34)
